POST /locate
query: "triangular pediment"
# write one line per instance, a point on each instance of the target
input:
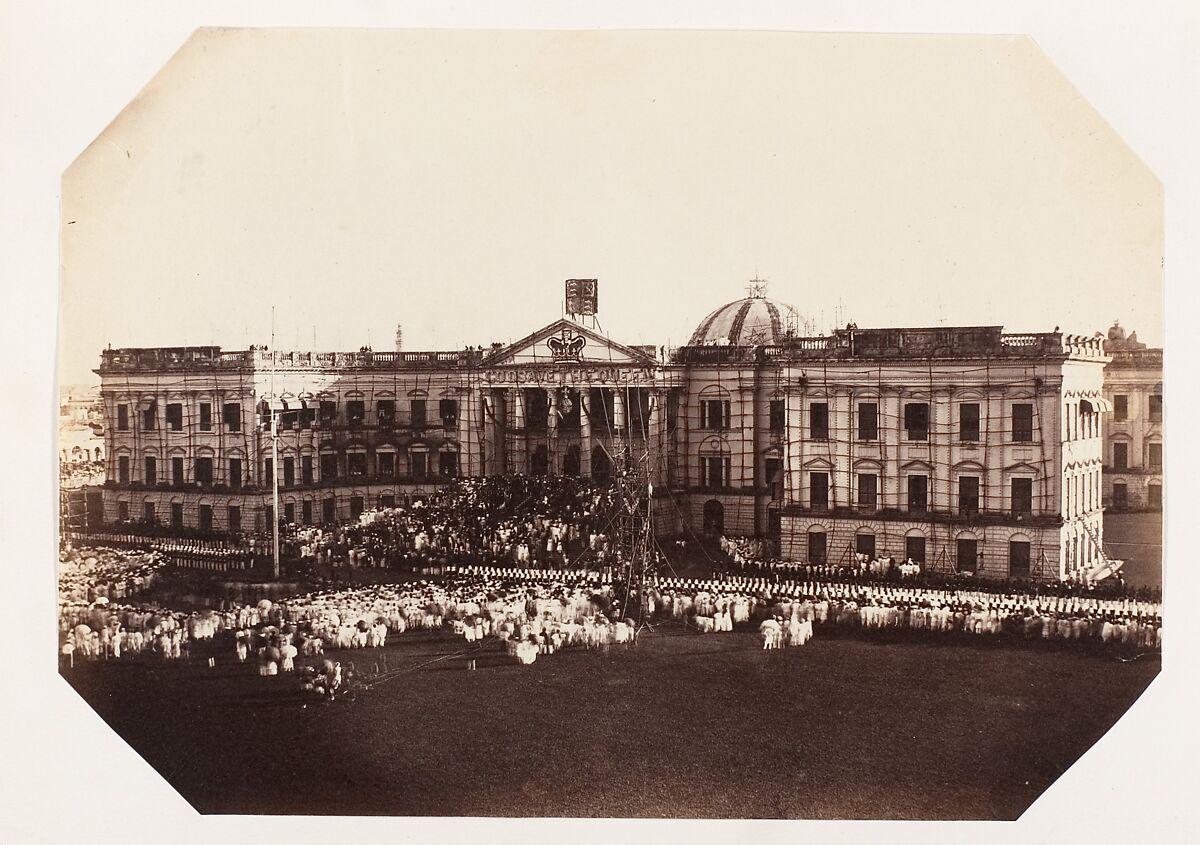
(567, 342)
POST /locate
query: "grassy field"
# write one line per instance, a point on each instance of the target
(685, 726)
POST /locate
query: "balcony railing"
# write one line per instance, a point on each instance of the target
(211, 357)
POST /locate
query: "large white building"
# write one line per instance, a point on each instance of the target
(963, 448)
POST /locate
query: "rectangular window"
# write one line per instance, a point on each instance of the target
(329, 464)
(385, 413)
(205, 416)
(356, 463)
(306, 512)
(419, 464)
(1022, 422)
(416, 412)
(1156, 407)
(175, 416)
(122, 511)
(868, 421)
(967, 555)
(233, 519)
(672, 410)
(968, 495)
(1018, 559)
(235, 473)
(1154, 456)
(204, 471)
(715, 470)
(268, 476)
(289, 420)
(968, 422)
(307, 415)
(150, 418)
(356, 412)
(714, 414)
(151, 475)
(1022, 496)
(778, 416)
(387, 463)
(868, 490)
(177, 515)
(773, 469)
(1154, 496)
(387, 502)
(448, 464)
(177, 476)
(289, 512)
(306, 469)
(1120, 407)
(864, 544)
(289, 473)
(148, 514)
(356, 506)
(1120, 456)
(1120, 495)
(328, 510)
(205, 517)
(916, 420)
(818, 489)
(816, 547)
(231, 413)
(123, 469)
(914, 549)
(328, 412)
(448, 411)
(122, 418)
(818, 421)
(918, 493)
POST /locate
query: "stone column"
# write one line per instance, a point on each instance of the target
(516, 439)
(618, 409)
(656, 436)
(585, 432)
(552, 467)
(516, 408)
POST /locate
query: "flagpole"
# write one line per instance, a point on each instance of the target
(274, 462)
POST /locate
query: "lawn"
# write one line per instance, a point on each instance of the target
(687, 725)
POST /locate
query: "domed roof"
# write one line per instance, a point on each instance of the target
(752, 321)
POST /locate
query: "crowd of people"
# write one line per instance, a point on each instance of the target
(751, 558)
(1126, 623)
(88, 574)
(548, 522)
(526, 565)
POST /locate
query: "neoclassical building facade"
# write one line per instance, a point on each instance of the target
(1133, 447)
(963, 448)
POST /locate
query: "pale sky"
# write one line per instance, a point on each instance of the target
(451, 180)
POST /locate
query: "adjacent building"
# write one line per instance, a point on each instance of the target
(963, 448)
(1133, 442)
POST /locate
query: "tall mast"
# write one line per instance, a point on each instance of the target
(274, 461)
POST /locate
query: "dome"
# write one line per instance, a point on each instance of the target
(752, 321)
